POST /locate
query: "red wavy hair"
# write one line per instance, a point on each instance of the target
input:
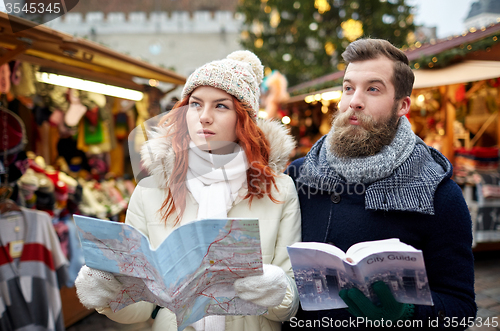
(260, 177)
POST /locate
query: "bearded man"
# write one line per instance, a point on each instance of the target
(371, 178)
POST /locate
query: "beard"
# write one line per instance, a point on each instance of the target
(366, 139)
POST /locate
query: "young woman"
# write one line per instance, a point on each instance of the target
(211, 157)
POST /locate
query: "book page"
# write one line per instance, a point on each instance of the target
(403, 272)
(359, 251)
(193, 280)
(319, 276)
(321, 247)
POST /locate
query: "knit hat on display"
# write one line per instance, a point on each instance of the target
(29, 181)
(240, 74)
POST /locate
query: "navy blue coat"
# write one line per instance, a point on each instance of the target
(445, 239)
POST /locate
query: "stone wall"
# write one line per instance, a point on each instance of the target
(154, 22)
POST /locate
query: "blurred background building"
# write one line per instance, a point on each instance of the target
(179, 35)
(482, 13)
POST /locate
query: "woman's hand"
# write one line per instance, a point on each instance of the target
(267, 290)
(96, 288)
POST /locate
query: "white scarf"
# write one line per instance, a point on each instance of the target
(214, 181)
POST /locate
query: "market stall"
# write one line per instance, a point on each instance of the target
(67, 108)
(455, 110)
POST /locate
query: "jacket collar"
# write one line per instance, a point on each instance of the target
(410, 187)
(158, 157)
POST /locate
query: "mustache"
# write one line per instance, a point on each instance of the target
(365, 139)
(342, 119)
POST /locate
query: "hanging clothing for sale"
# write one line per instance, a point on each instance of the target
(32, 269)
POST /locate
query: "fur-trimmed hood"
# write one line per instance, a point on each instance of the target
(157, 154)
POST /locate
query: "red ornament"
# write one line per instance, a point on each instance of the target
(460, 93)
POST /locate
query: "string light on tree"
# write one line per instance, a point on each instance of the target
(257, 28)
(352, 29)
(322, 6)
(329, 48)
(275, 19)
(411, 38)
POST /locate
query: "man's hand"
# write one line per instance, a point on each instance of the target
(389, 309)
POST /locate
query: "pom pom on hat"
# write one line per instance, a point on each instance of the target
(252, 59)
(240, 74)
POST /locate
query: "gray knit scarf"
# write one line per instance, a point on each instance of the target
(369, 169)
(416, 169)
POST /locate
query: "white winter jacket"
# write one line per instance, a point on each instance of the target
(279, 227)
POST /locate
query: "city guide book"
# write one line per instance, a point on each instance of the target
(191, 272)
(322, 270)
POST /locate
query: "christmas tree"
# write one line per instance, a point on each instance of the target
(303, 39)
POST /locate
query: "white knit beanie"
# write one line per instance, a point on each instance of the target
(240, 75)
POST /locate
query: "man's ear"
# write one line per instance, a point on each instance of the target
(404, 106)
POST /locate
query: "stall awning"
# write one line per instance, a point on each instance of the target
(64, 54)
(464, 72)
